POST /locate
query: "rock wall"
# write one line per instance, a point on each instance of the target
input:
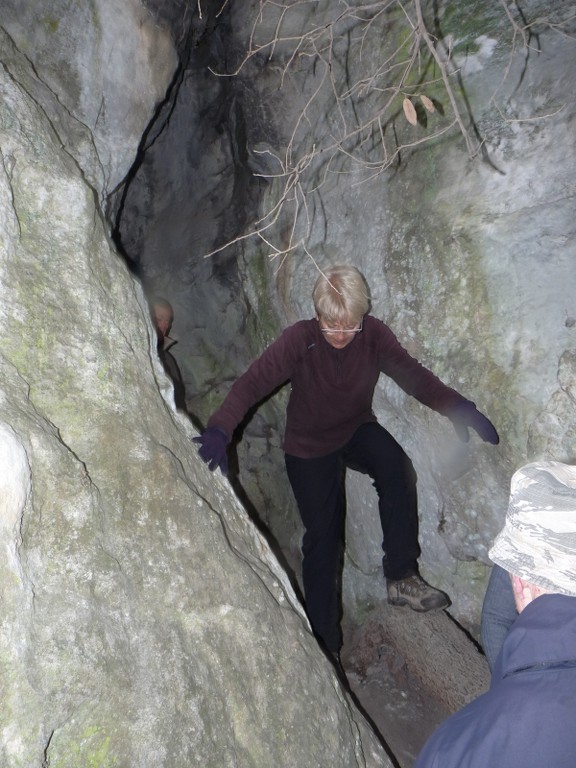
(145, 620)
(465, 236)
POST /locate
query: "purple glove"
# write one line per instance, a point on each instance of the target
(467, 415)
(212, 451)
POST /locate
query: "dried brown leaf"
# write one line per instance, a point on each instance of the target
(428, 104)
(409, 111)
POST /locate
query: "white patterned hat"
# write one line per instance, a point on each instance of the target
(538, 541)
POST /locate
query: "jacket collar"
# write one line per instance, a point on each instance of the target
(544, 634)
(168, 342)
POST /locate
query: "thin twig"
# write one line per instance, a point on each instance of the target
(359, 115)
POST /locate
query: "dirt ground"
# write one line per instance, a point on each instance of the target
(384, 675)
(397, 707)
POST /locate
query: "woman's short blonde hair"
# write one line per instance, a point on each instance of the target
(341, 294)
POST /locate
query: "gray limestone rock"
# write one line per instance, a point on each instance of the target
(84, 56)
(144, 620)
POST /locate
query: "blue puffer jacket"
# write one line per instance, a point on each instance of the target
(528, 717)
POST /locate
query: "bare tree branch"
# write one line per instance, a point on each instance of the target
(363, 98)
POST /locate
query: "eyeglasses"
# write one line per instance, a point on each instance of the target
(342, 330)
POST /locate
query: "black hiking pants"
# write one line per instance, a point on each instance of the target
(318, 486)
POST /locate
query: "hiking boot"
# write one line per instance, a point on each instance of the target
(414, 592)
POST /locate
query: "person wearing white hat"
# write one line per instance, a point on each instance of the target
(528, 717)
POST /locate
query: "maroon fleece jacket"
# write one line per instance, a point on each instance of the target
(331, 389)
